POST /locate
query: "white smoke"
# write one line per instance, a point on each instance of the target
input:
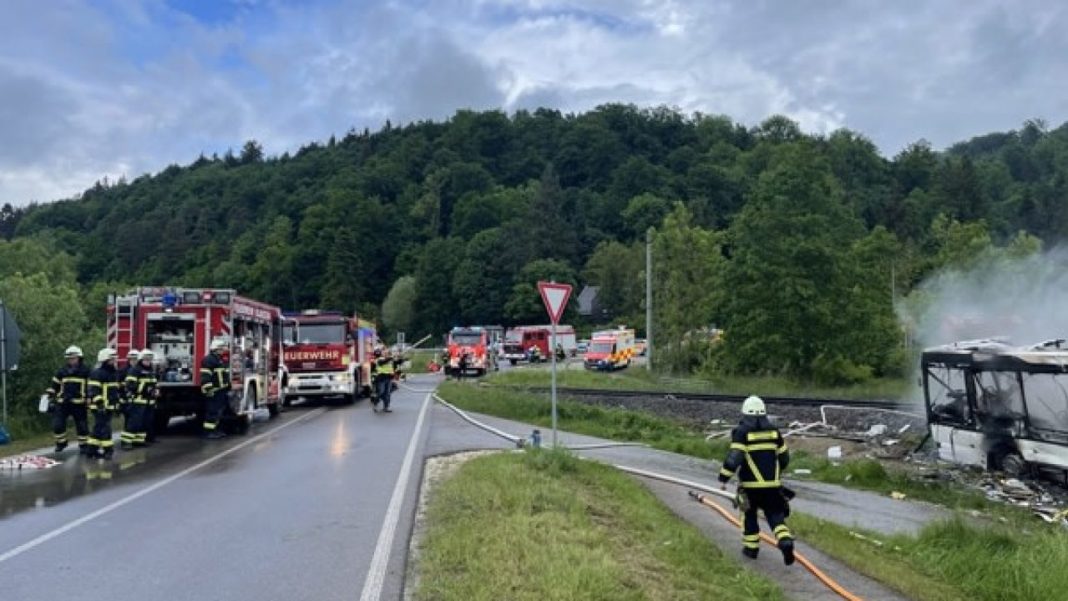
(1024, 300)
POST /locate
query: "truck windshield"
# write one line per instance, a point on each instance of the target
(321, 333)
(513, 336)
(602, 347)
(466, 339)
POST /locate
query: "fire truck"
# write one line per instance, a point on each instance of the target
(518, 340)
(179, 324)
(473, 342)
(328, 354)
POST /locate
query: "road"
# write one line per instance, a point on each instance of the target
(316, 504)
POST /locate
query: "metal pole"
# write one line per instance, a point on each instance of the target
(552, 352)
(3, 358)
(649, 299)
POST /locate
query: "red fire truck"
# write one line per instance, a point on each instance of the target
(328, 354)
(518, 340)
(179, 324)
(473, 342)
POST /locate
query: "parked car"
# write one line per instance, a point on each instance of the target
(582, 346)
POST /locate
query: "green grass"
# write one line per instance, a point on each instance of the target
(580, 418)
(953, 560)
(638, 378)
(545, 526)
(418, 361)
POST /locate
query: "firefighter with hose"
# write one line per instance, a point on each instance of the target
(758, 455)
(382, 370)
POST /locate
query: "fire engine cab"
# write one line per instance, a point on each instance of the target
(328, 354)
(472, 343)
(178, 325)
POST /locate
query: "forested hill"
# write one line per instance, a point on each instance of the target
(477, 208)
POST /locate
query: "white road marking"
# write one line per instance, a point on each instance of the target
(19, 550)
(376, 574)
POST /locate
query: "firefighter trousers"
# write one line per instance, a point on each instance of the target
(384, 390)
(101, 437)
(213, 412)
(773, 504)
(134, 431)
(76, 411)
(149, 420)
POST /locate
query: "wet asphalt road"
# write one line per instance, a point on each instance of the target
(293, 510)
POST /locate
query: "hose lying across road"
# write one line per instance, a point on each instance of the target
(519, 441)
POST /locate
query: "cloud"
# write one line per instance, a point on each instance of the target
(109, 87)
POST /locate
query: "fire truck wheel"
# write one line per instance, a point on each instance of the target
(513, 362)
(349, 399)
(274, 408)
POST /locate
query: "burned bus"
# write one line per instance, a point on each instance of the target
(996, 406)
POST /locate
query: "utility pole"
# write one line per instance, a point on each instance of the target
(649, 298)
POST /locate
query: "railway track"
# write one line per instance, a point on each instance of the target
(715, 398)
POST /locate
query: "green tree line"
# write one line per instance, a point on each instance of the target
(794, 244)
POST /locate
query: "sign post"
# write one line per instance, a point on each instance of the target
(555, 297)
(9, 352)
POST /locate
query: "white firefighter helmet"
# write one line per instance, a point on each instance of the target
(147, 354)
(72, 351)
(754, 405)
(218, 344)
(133, 354)
(104, 355)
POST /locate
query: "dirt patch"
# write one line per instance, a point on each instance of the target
(435, 471)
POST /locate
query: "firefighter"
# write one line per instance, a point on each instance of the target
(124, 398)
(140, 387)
(68, 391)
(104, 385)
(382, 370)
(758, 456)
(215, 384)
(148, 419)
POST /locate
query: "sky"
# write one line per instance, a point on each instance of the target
(95, 88)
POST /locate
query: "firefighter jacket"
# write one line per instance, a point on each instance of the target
(382, 367)
(758, 454)
(121, 374)
(104, 388)
(141, 384)
(214, 374)
(70, 384)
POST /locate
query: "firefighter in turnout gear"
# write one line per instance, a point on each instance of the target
(382, 370)
(140, 388)
(215, 384)
(124, 397)
(758, 456)
(104, 386)
(69, 393)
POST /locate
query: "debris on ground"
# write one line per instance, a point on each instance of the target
(897, 496)
(27, 462)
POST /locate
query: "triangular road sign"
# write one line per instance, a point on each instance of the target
(555, 297)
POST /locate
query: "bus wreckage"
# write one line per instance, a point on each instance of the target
(997, 406)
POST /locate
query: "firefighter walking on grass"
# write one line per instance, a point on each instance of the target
(758, 456)
(104, 385)
(215, 384)
(68, 391)
(140, 389)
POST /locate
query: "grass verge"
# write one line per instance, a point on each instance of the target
(418, 361)
(660, 433)
(952, 560)
(636, 378)
(547, 526)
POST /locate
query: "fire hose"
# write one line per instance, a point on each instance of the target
(694, 486)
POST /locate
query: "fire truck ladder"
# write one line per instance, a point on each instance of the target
(124, 320)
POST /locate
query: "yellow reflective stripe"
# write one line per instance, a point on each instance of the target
(750, 544)
(96, 383)
(760, 446)
(739, 446)
(766, 435)
(209, 426)
(726, 472)
(753, 468)
(762, 484)
(781, 449)
(751, 537)
(781, 528)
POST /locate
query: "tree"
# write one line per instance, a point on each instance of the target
(616, 269)
(524, 303)
(483, 278)
(687, 267)
(272, 274)
(251, 152)
(398, 310)
(792, 278)
(434, 275)
(644, 212)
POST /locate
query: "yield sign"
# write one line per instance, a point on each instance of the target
(555, 298)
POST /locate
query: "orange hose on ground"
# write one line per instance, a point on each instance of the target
(824, 578)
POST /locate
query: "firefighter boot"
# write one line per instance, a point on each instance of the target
(786, 545)
(60, 446)
(750, 553)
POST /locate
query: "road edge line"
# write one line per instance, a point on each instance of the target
(376, 573)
